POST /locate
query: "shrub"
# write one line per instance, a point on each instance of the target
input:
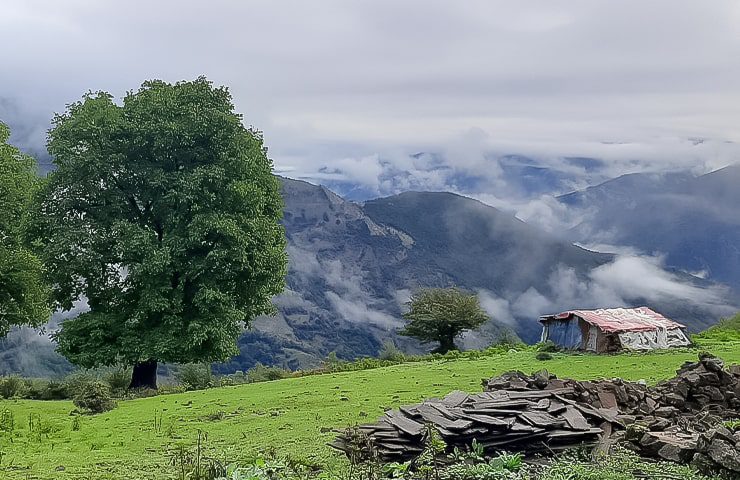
(543, 356)
(195, 376)
(94, 397)
(35, 388)
(55, 390)
(76, 382)
(507, 338)
(118, 380)
(13, 387)
(261, 373)
(333, 362)
(390, 351)
(547, 346)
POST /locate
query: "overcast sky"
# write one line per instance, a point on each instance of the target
(346, 90)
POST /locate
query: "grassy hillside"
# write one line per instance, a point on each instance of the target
(142, 438)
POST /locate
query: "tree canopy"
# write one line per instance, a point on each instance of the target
(442, 314)
(23, 295)
(163, 214)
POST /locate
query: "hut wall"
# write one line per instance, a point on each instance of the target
(564, 333)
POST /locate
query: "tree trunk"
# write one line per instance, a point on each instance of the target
(445, 345)
(144, 375)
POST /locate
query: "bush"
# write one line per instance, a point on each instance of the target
(390, 351)
(13, 387)
(507, 338)
(55, 390)
(118, 380)
(261, 373)
(195, 376)
(543, 356)
(94, 397)
(76, 382)
(547, 346)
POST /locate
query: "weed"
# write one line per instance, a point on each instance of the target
(76, 423)
(7, 421)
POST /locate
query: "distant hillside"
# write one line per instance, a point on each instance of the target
(693, 221)
(353, 266)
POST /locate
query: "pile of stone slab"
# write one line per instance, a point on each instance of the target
(541, 413)
(513, 420)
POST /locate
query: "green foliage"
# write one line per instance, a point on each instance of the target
(732, 425)
(13, 386)
(7, 421)
(23, 294)
(390, 351)
(441, 314)
(77, 381)
(195, 376)
(94, 397)
(543, 356)
(274, 413)
(164, 213)
(261, 373)
(620, 464)
(547, 346)
(727, 330)
(118, 380)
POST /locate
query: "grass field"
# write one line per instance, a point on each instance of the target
(141, 438)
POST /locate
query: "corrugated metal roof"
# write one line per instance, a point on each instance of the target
(640, 319)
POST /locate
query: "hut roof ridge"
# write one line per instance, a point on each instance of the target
(639, 319)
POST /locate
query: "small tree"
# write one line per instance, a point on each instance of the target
(23, 295)
(441, 314)
(164, 214)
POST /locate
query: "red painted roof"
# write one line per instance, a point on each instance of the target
(640, 319)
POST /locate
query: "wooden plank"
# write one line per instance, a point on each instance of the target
(404, 423)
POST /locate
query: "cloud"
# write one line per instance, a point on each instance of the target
(350, 90)
(616, 284)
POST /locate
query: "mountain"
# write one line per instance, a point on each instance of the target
(693, 221)
(352, 266)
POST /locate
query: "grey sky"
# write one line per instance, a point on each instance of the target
(347, 89)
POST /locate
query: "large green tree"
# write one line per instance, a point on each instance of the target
(163, 213)
(442, 314)
(23, 295)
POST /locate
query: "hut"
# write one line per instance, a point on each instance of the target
(613, 329)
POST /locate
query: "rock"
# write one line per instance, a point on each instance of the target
(713, 364)
(703, 463)
(725, 454)
(541, 379)
(665, 412)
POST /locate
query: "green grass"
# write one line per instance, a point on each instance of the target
(727, 330)
(140, 438)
